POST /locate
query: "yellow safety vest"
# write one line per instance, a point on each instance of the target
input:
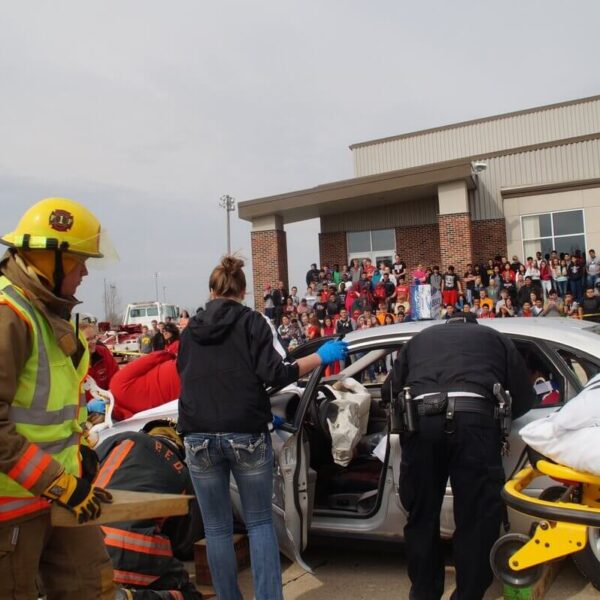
(49, 404)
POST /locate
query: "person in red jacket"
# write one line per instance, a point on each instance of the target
(171, 335)
(545, 277)
(103, 366)
(148, 381)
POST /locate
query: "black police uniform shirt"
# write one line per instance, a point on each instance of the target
(462, 357)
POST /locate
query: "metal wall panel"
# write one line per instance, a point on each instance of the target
(571, 162)
(481, 138)
(415, 212)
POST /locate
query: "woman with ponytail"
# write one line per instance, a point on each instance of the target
(229, 354)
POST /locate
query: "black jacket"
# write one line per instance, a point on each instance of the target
(158, 341)
(312, 275)
(145, 553)
(462, 357)
(149, 463)
(591, 308)
(524, 293)
(228, 355)
(279, 297)
(343, 327)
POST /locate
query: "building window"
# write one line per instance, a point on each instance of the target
(378, 245)
(562, 231)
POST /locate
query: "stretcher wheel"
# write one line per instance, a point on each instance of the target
(588, 559)
(501, 552)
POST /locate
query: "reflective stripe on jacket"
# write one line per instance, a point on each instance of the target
(46, 409)
(140, 557)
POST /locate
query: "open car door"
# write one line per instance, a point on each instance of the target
(291, 493)
(291, 486)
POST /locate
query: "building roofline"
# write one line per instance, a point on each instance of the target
(378, 184)
(525, 111)
(549, 188)
(357, 188)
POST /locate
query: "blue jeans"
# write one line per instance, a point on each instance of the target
(370, 370)
(211, 458)
(576, 288)
(561, 287)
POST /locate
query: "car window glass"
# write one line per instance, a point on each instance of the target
(583, 368)
(378, 364)
(377, 370)
(548, 383)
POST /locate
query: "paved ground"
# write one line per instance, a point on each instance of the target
(355, 571)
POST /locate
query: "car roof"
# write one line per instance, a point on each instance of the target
(570, 332)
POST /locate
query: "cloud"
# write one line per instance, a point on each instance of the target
(149, 111)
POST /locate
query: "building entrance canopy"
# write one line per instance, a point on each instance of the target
(442, 187)
(355, 194)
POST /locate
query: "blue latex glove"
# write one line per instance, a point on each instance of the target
(333, 350)
(277, 422)
(96, 406)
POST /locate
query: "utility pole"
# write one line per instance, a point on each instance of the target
(156, 285)
(105, 301)
(228, 203)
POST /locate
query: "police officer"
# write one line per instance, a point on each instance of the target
(449, 371)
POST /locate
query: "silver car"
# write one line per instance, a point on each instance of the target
(313, 495)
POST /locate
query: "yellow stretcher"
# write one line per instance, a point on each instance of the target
(567, 523)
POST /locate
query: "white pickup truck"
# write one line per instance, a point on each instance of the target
(143, 313)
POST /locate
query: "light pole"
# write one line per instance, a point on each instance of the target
(164, 293)
(156, 285)
(105, 300)
(228, 203)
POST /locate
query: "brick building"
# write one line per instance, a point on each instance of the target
(509, 184)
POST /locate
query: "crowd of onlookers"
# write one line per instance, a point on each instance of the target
(163, 335)
(362, 295)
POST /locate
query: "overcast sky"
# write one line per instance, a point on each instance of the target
(148, 111)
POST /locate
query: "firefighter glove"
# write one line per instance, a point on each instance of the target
(333, 350)
(90, 464)
(77, 495)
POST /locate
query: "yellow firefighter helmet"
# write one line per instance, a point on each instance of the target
(58, 224)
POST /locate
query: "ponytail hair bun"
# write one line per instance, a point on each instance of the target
(227, 278)
(232, 264)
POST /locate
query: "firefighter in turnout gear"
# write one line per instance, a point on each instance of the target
(448, 378)
(147, 554)
(43, 361)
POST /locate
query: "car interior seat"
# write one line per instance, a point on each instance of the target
(351, 488)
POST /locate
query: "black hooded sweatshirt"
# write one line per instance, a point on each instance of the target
(228, 355)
